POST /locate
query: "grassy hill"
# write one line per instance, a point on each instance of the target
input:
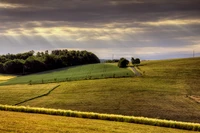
(92, 71)
(164, 92)
(34, 123)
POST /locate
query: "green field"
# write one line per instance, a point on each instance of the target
(92, 71)
(34, 123)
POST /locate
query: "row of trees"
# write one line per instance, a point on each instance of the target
(124, 62)
(29, 62)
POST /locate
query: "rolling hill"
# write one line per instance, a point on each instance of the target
(164, 91)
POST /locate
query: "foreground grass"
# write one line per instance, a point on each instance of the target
(35, 123)
(92, 71)
(14, 94)
(118, 118)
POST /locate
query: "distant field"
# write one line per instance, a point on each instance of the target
(184, 73)
(14, 94)
(93, 71)
(34, 123)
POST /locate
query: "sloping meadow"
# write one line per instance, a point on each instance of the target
(83, 72)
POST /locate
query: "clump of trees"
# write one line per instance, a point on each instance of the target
(135, 61)
(123, 63)
(112, 61)
(25, 63)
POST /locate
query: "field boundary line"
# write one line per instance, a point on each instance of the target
(46, 94)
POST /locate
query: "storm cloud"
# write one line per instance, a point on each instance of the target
(149, 29)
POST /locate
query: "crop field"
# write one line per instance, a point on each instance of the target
(34, 123)
(13, 94)
(84, 72)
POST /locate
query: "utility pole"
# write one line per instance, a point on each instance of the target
(112, 56)
(193, 53)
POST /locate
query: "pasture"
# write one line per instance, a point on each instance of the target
(84, 72)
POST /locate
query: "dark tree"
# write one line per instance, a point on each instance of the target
(137, 61)
(14, 66)
(132, 60)
(33, 65)
(123, 63)
(1, 68)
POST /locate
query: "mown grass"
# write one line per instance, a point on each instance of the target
(84, 72)
(14, 94)
(118, 118)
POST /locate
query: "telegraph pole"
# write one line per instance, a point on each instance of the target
(112, 56)
(193, 53)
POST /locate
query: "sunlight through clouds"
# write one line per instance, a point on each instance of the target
(8, 5)
(173, 22)
(146, 28)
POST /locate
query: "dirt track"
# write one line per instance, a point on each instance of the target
(135, 71)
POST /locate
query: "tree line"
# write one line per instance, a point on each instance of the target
(31, 62)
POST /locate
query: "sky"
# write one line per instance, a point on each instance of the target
(145, 29)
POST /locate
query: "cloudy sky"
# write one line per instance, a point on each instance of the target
(148, 29)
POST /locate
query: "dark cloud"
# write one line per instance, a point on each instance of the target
(99, 10)
(102, 24)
